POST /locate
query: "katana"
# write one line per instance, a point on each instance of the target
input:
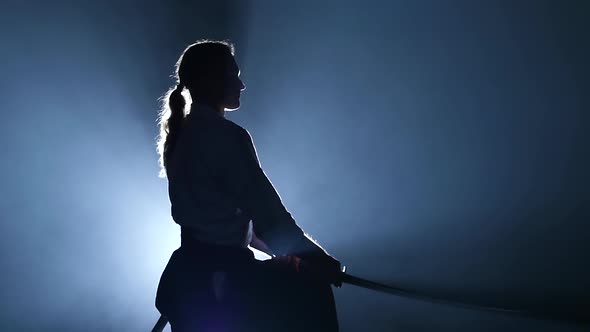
(160, 324)
(383, 288)
(566, 317)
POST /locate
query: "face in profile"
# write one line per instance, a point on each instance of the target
(216, 81)
(232, 86)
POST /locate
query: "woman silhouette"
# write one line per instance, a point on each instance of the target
(224, 202)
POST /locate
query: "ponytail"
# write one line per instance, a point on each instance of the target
(171, 118)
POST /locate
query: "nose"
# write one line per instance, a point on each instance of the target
(242, 86)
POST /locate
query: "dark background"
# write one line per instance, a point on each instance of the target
(435, 145)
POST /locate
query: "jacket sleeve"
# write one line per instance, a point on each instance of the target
(256, 195)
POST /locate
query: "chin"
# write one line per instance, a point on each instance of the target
(232, 106)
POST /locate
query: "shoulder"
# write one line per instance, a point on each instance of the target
(223, 132)
(233, 132)
(235, 128)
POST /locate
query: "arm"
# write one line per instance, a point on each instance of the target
(252, 189)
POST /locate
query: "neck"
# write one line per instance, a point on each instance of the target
(207, 108)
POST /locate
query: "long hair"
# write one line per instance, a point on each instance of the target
(198, 62)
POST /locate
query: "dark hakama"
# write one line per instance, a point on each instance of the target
(225, 289)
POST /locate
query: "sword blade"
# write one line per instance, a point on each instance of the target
(568, 317)
(160, 324)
